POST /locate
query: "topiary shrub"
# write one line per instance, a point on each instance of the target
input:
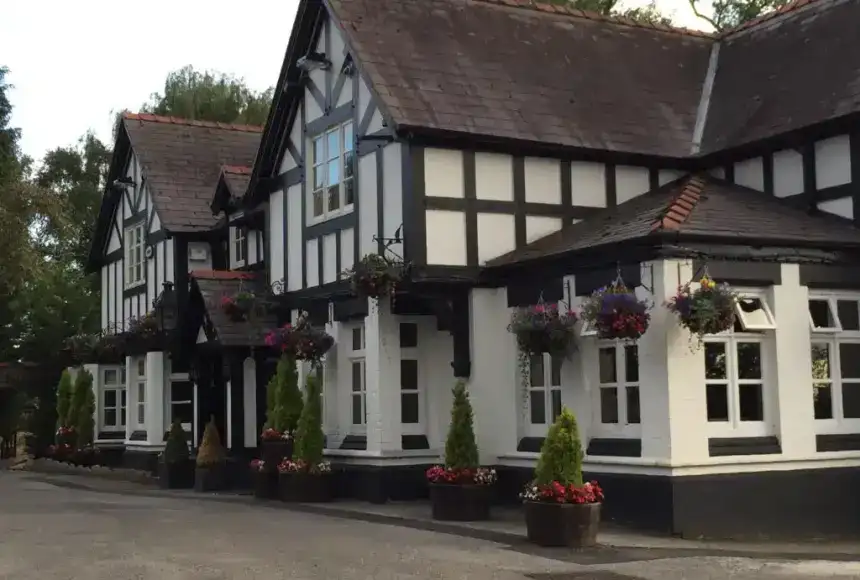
(64, 399)
(85, 400)
(288, 396)
(211, 452)
(461, 450)
(176, 448)
(310, 440)
(561, 454)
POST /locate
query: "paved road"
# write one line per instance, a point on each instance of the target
(51, 533)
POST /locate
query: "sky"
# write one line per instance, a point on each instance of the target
(75, 64)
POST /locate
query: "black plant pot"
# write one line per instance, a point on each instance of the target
(305, 488)
(564, 525)
(178, 475)
(460, 503)
(266, 484)
(274, 451)
(210, 477)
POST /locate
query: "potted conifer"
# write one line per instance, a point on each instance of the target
(283, 409)
(561, 511)
(460, 491)
(308, 478)
(65, 436)
(175, 470)
(210, 473)
(84, 407)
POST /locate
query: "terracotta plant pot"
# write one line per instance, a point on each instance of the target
(176, 475)
(305, 488)
(460, 503)
(562, 525)
(210, 477)
(266, 484)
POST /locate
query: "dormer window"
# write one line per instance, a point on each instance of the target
(333, 185)
(134, 256)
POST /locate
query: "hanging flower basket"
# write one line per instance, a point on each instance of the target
(375, 275)
(238, 307)
(543, 328)
(615, 313)
(143, 334)
(709, 309)
(303, 340)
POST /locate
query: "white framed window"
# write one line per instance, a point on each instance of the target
(617, 406)
(319, 373)
(333, 175)
(113, 399)
(239, 245)
(835, 348)
(140, 392)
(544, 394)
(411, 393)
(358, 383)
(754, 313)
(134, 255)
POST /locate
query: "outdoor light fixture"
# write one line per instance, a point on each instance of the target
(166, 306)
(313, 61)
(123, 182)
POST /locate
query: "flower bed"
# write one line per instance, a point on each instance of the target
(615, 313)
(300, 482)
(709, 309)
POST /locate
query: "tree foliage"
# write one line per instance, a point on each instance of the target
(83, 408)
(647, 14)
(310, 439)
(288, 396)
(211, 452)
(210, 96)
(176, 448)
(728, 14)
(461, 450)
(64, 399)
(561, 454)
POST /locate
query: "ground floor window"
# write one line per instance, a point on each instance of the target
(618, 394)
(411, 409)
(140, 388)
(358, 394)
(544, 393)
(735, 379)
(113, 399)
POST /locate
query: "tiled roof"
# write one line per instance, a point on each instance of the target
(699, 206)
(237, 179)
(182, 162)
(213, 285)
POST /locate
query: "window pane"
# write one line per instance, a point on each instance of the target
(349, 164)
(356, 376)
(819, 310)
(318, 202)
(141, 367)
(749, 360)
(122, 417)
(631, 364)
(753, 313)
(606, 360)
(110, 398)
(537, 407)
(181, 391)
(349, 191)
(609, 405)
(849, 360)
(555, 371)
(409, 408)
(633, 405)
(110, 418)
(409, 375)
(536, 370)
(408, 335)
(820, 361)
(822, 400)
(333, 145)
(333, 172)
(141, 393)
(319, 150)
(319, 177)
(555, 396)
(751, 402)
(122, 378)
(183, 412)
(356, 339)
(110, 377)
(347, 137)
(333, 197)
(357, 413)
(718, 402)
(122, 398)
(851, 400)
(141, 414)
(715, 360)
(848, 314)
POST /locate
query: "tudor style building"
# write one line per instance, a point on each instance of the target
(513, 152)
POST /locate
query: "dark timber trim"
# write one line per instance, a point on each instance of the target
(138, 435)
(156, 237)
(414, 194)
(380, 201)
(519, 187)
(653, 178)
(809, 180)
(530, 444)
(566, 194)
(329, 72)
(830, 276)
(110, 436)
(530, 290)
(135, 291)
(854, 149)
(304, 201)
(611, 187)
(731, 446)
(471, 213)
(331, 226)
(364, 124)
(354, 442)
(112, 257)
(767, 172)
(409, 442)
(531, 208)
(614, 447)
(315, 92)
(837, 442)
(336, 116)
(462, 363)
(237, 401)
(729, 172)
(742, 273)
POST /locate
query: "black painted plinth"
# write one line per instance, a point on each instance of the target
(176, 475)
(306, 488)
(141, 460)
(460, 503)
(562, 525)
(210, 477)
(380, 484)
(266, 485)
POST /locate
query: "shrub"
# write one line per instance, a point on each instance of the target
(64, 399)
(461, 450)
(210, 452)
(176, 448)
(561, 455)
(85, 421)
(310, 440)
(288, 397)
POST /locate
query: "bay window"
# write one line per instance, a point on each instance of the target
(544, 394)
(333, 176)
(113, 399)
(411, 409)
(618, 406)
(358, 392)
(140, 392)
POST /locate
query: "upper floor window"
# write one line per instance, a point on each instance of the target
(239, 244)
(134, 255)
(333, 186)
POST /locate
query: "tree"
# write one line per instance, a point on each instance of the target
(85, 420)
(461, 450)
(210, 452)
(310, 439)
(288, 396)
(561, 454)
(64, 399)
(728, 14)
(648, 14)
(210, 96)
(176, 448)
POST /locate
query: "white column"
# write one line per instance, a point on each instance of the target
(329, 385)
(154, 397)
(93, 369)
(671, 373)
(249, 401)
(382, 368)
(494, 390)
(795, 418)
(130, 398)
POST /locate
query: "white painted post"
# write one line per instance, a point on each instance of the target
(795, 416)
(154, 397)
(249, 401)
(382, 368)
(130, 398)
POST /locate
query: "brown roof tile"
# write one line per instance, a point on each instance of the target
(182, 161)
(212, 286)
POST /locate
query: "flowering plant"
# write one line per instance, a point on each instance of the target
(258, 465)
(541, 328)
(108, 347)
(299, 466)
(615, 313)
(282, 339)
(556, 492)
(375, 275)
(270, 434)
(311, 342)
(455, 476)
(709, 309)
(146, 325)
(238, 306)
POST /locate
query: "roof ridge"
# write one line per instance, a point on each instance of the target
(556, 9)
(681, 206)
(191, 122)
(793, 6)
